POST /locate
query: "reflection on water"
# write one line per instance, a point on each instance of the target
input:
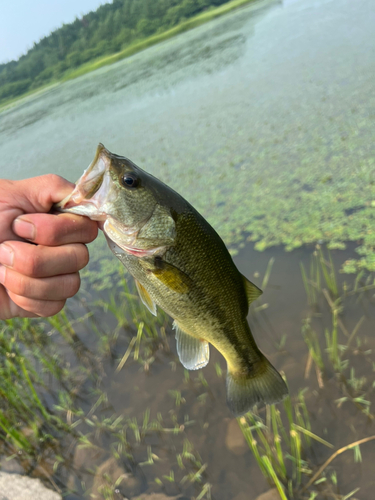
(264, 121)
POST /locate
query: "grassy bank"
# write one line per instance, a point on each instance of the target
(189, 24)
(132, 49)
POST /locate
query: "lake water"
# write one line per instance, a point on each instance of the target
(265, 121)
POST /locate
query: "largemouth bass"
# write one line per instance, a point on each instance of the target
(181, 264)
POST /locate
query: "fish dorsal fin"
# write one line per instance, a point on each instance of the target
(171, 276)
(145, 298)
(193, 353)
(252, 291)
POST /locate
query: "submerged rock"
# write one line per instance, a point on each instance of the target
(157, 496)
(111, 474)
(16, 487)
(84, 458)
(269, 495)
(234, 439)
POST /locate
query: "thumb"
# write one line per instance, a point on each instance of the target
(40, 193)
(35, 195)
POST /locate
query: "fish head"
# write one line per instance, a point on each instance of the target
(125, 199)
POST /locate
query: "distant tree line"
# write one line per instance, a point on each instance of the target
(111, 28)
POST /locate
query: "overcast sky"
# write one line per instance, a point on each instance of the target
(23, 22)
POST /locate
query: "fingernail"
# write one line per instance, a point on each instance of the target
(24, 228)
(6, 255)
(2, 273)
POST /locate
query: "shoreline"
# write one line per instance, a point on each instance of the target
(193, 22)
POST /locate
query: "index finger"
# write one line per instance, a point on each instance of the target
(54, 230)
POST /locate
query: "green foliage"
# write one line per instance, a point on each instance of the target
(277, 444)
(113, 27)
(26, 425)
(14, 89)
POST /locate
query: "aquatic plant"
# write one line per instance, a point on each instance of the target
(284, 453)
(333, 349)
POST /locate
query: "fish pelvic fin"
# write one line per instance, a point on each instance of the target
(263, 385)
(193, 353)
(145, 298)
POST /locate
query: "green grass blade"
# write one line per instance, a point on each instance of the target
(272, 474)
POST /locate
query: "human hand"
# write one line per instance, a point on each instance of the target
(40, 253)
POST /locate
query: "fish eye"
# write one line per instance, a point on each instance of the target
(129, 180)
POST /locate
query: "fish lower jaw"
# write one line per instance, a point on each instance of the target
(88, 210)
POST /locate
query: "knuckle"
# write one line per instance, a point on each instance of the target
(53, 179)
(71, 284)
(83, 258)
(92, 232)
(85, 230)
(52, 307)
(53, 235)
(33, 263)
(78, 256)
(19, 284)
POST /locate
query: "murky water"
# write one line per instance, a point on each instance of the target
(265, 115)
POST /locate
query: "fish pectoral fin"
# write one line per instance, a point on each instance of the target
(171, 276)
(193, 353)
(145, 298)
(252, 291)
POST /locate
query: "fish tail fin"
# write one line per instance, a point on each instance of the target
(263, 384)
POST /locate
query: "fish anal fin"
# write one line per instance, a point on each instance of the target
(145, 298)
(193, 353)
(252, 291)
(171, 276)
(264, 384)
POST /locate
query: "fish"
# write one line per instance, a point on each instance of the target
(181, 265)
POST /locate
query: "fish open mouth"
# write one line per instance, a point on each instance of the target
(94, 197)
(90, 195)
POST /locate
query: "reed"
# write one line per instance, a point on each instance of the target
(321, 274)
(331, 349)
(279, 442)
